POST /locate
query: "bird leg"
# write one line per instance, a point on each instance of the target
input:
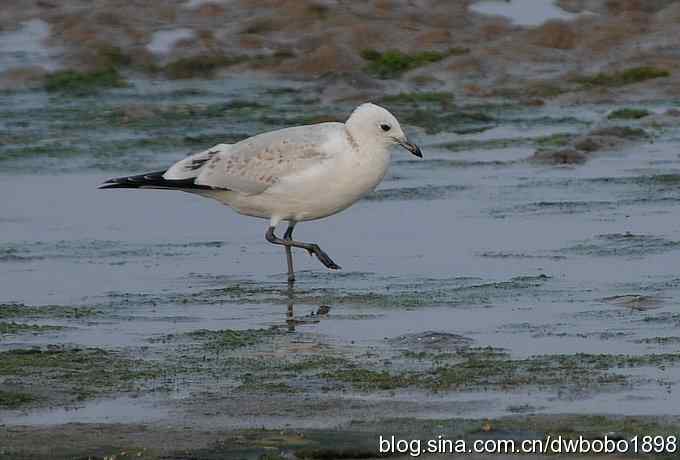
(312, 248)
(288, 236)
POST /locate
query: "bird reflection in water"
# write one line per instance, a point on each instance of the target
(310, 318)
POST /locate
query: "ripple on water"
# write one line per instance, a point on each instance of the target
(623, 244)
(427, 192)
(554, 207)
(518, 255)
(429, 341)
(636, 301)
(99, 251)
(388, 294)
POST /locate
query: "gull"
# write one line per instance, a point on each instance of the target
(293, 174)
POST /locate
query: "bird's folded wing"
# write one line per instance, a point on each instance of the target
(255, 164)
(191, 166)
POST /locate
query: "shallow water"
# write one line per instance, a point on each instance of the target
(119, 410)
(26, 46)
(191, 4)
(523, 12)
(163, 41)
(472, 240)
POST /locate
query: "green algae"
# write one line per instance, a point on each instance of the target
(230, 339)
(438, 121)
(532, 90)
(20, 152)
(18, 310)
(311, 363)
(107, 56)
(20, 328)
(304, 119)
(625, 132)
(545, 89)
(417, 355)
(27, 361)
(470, 144)
(419, 98)
(628, 114)
(255, 384)
(207, 65)
(203, 66)
(14, 399)
(76, 373)
(581, 369)
(150, 116)
(84, 82)
(393, 63)
(491, 368)
(625, 77)
(370, 380)
(456, 291)
(221, 340)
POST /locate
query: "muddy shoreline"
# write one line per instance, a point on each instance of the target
(355, 440)
(349, 48)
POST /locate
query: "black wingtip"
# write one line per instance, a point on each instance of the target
(142, 180)
(153, 180)
(111, 184)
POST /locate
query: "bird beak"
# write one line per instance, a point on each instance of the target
(413, 148)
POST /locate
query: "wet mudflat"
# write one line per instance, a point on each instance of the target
(524, 272)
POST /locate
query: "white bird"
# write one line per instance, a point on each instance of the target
(293, 174)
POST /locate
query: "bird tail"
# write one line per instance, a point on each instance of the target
(154, 180)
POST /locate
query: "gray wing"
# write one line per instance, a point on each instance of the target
(255, 164)
(191, 166)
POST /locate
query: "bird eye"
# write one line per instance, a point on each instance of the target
(385, 127)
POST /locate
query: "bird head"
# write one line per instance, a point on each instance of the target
(372, 123)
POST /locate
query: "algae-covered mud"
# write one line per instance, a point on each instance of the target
(518, 282)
